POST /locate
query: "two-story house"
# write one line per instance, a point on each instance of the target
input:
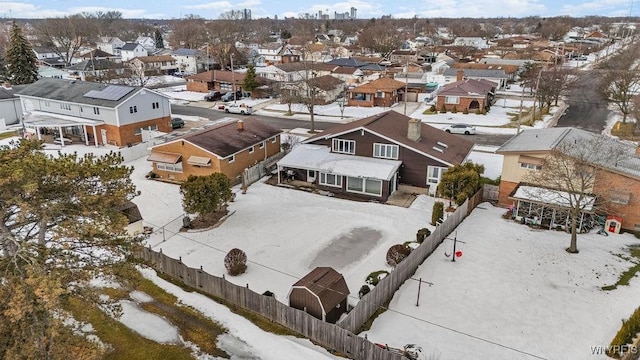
(130, 51)
(111, 45)
(10, 109)
(93, 113)
(617, 183)
(160, 64)
(228, 147)
(371, 156)
(187, 60)
(147, 42)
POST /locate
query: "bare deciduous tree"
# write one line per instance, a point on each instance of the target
(380, 36)
(66, 35)
(621, 78)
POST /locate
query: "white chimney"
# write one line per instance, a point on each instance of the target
(414, 130)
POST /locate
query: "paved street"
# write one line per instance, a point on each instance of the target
(587, 109)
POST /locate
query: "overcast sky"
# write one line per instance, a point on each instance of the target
(165, 9)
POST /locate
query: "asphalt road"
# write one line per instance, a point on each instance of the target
(281, 123)
(587, 109)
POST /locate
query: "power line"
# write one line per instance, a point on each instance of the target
(460, 332)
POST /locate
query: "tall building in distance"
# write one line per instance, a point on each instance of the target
(353, 13)
(246, 14)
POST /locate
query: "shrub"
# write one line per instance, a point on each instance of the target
(235, 262)
(432, 108)
(438, 213)
(465, 111)
(454, 110)
(479, 112)
(422, 234)
(397, 253)
(151, 175)
(443, 109)
(376, 276)
(626, 334)
(364, 290)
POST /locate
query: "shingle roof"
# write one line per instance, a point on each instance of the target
(328, 284)
(468, 87)
(477, 73)
(305, 66)
(394, 126)
(130, 46)
(225, 139)
(72, 91)
(534, 140)
(157, 58)
(326, 83)
(95, 64)
(185, 52)
(351, 62)
(383, 84)
(96, 53)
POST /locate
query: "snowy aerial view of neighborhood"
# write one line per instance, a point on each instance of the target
(319, 186)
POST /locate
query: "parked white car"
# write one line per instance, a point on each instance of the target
(238, 109)
(461, 129)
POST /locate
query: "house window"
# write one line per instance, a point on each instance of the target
(155, 105)
(434, 173)
(364, 186)
(451, 100)
(379, 94)
(274, 140)
(133, 109)
(251, 149)
(330, 180)
(65, 106)
(262, 145)
(96, 110)
(619, 197)
(344, 146)
(385, 151)
(232, 158)
(177, 167)
(530, 166)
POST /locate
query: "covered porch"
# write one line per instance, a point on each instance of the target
(338, 173)
(63, 130)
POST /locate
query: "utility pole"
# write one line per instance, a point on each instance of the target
(233, 80)
(520, 113)
(313, 101)
(406, 83)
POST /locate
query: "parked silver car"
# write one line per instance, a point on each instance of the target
(461, 129)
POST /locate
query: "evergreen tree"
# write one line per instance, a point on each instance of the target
(60, 228)
(250, 83)
(3, 69)
(461, 181)
(204, 195)
(22, 67)
(159, 40)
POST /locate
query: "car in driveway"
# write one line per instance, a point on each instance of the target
(460, 129)
(177, 123)
(214, 96)
(238, 109)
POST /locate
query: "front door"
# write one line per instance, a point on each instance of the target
(311, 176)
(103, 132)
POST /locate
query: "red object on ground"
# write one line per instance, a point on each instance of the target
(458, 253)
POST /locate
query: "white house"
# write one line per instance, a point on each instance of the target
(147, 42)
(475, 42)
(186, 59)
(10, 110)
(110, 45)
(131, 51)
(92, 113)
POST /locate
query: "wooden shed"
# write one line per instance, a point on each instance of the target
(322, 293)
(131, 211)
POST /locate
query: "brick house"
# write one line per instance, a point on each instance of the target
(371, 156)
(93, 113)
(381, 92)
(466, 94)
(228, 147)
(220, 80)
(618, 183)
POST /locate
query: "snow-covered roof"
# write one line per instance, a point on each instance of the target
(552, 197)
(320, 158)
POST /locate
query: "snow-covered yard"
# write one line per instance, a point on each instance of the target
(514, 291)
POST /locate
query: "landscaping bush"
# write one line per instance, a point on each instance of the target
(397, 253)
(151, 175)
(235, 262)
(479, 112)
(364, 290)
(443, 109)
(626, 334)
(376, 276)
(422, 234)
(437, 213)
(465, 111)
(454, 110)
(432, 108)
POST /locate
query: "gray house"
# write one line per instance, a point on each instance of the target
(10, 109)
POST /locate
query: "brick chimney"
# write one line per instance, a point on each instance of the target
(460, 75)
(414, 130)
(240, 125)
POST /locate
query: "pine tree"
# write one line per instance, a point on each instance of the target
(22, 67)
(3, 69)
(249, 83)
(159, 40)
(203, 195)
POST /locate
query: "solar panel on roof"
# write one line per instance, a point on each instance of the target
(111, 92)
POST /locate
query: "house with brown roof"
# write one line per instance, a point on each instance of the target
(327, 89)
(220, 80)
(380, 92)
(322, 293)
(371, 156)
(157, 64)
(466, 95)
(228, 147)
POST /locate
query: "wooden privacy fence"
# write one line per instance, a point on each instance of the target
(325, 334)
(256, 172)
(388, 286)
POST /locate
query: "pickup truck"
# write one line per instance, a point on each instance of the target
(238, 109)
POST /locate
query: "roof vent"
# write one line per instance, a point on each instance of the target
(438, 149)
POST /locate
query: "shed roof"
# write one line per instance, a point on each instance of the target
(328, 284)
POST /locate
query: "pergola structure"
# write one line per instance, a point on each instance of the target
(38, 121)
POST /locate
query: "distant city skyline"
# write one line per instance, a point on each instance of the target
(164, 9)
